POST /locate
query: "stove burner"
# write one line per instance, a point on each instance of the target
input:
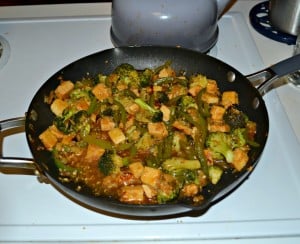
(259, 18)
(4, 51)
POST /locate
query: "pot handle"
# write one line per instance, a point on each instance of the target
(13, 164)
(263, 80)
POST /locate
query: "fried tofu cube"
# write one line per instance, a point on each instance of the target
(179, 125)
(116, 135)
(58, 106)
(229, 98)
(64, 89)
(48, 139)
(132, 194)
(132, 108)
(158, 130)
(101, 92)
(93, 153)
(58, 134)
(217, 112)
(149, 191)
(151, 176)
(166, 72)
(194, 90)
(240, 158)
(217, 126)
(107, 123)
(136, 169)
(212, 87)
(166, 112)
(210, 98)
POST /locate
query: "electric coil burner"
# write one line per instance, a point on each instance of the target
(259, 19)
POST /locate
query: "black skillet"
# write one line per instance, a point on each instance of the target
(39, 117)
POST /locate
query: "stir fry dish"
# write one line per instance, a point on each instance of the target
(148, 136)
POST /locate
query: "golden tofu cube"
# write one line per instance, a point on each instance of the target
(157, 130)
(48, 139)
(149, 191)
(166, 72)
(217, 112)
(58, 106)
(151, 176)
(217, 126)
(210, 98)
(132, 194)
(107, 123)
(101, 92)
(93, 153)
(136, 169)
(212, 87)
(117, 135)
(194, 90)
(64, 89)
(166, 112)
(240, 159)
(229, 98)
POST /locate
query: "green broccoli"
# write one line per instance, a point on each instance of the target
(235, 118)
(128, 74)
(214, 174)
(198, 80)
(167, 196)
(145, 77)
(185, 171)
(220, 142)
(157, 115)
(238, 137)
(161, 97)
(110, 162)
(124, 69)
(74, 121)
(186, 102)
(180, 163)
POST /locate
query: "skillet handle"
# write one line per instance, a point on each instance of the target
(287, 66)
(265, 79)
(15, 165)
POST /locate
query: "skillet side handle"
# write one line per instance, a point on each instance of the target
(287, 66)
(14, 165)
(264, 80)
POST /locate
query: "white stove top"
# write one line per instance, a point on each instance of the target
(266, 206)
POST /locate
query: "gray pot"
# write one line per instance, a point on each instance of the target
(285, 15)
(191, 24)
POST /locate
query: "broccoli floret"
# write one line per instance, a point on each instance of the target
(106, 164)
(175, 163)
(124, 69)
(157, 115)
(235, 118)
(219, 142)
(127, 74)
(161, 97)
(183, 170)
(80, 93)
(110, 162)
(74, 121)
(186, 102)
(214, 173)
(145, 77)
(164, 197)
(238, 137)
